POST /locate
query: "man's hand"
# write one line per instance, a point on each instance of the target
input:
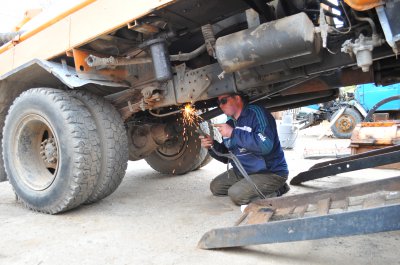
(224, 129)
(206, 141)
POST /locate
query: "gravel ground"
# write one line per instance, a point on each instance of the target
(158, 219)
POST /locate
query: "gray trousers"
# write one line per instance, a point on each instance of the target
(241, 191)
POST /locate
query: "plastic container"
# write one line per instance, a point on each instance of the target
(287, 132)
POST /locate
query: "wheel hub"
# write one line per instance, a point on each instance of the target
(345, 123)
(175, 146)
(172, 147)
(48, 151)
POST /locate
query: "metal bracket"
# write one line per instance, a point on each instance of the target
(383, 19)
(144, 28)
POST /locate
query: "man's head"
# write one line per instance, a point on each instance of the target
(231, 104)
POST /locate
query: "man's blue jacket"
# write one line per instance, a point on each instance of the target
(255, 142)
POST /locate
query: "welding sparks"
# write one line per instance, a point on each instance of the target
(190, 116)
(190, 121)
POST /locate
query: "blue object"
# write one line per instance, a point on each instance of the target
(368, 95)
(299, 229)
(314, 106)
(255, 143)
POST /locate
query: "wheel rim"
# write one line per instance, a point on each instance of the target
(345, 123)
(173, 148)
(36, 152)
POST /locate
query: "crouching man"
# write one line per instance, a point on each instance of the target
(251, 135)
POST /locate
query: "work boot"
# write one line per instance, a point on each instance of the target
(282, 190)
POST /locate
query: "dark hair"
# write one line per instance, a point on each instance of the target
(243, 96)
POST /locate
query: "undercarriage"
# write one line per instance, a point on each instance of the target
(279, 54)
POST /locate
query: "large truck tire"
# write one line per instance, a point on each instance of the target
(7, 97)
(345, 124)
(48, 141)
(3, 175)
(113, 144)
(179, 155)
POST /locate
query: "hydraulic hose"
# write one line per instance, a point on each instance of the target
(241, 169)
(236, 161)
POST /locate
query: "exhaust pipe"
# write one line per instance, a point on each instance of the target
(283, 39)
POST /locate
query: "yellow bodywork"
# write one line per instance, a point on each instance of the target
(29, 14)
(73, 28)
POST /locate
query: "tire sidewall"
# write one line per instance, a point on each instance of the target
(45, 107)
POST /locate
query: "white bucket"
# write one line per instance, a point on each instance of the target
(287, 132)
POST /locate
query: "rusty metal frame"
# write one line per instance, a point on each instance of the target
(86, 72)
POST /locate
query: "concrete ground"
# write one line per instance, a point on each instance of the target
(158, 219)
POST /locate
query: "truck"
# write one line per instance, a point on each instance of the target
(356, 106)
(88, 85)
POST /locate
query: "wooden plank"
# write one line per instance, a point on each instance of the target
(336, 211)
(284, 211)
(312, 207)
(261, 216)
(356, 200)
(241, 218)
(323, 206)
(310, 214)
(374, 202)
(300, 210)
(340, 204)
